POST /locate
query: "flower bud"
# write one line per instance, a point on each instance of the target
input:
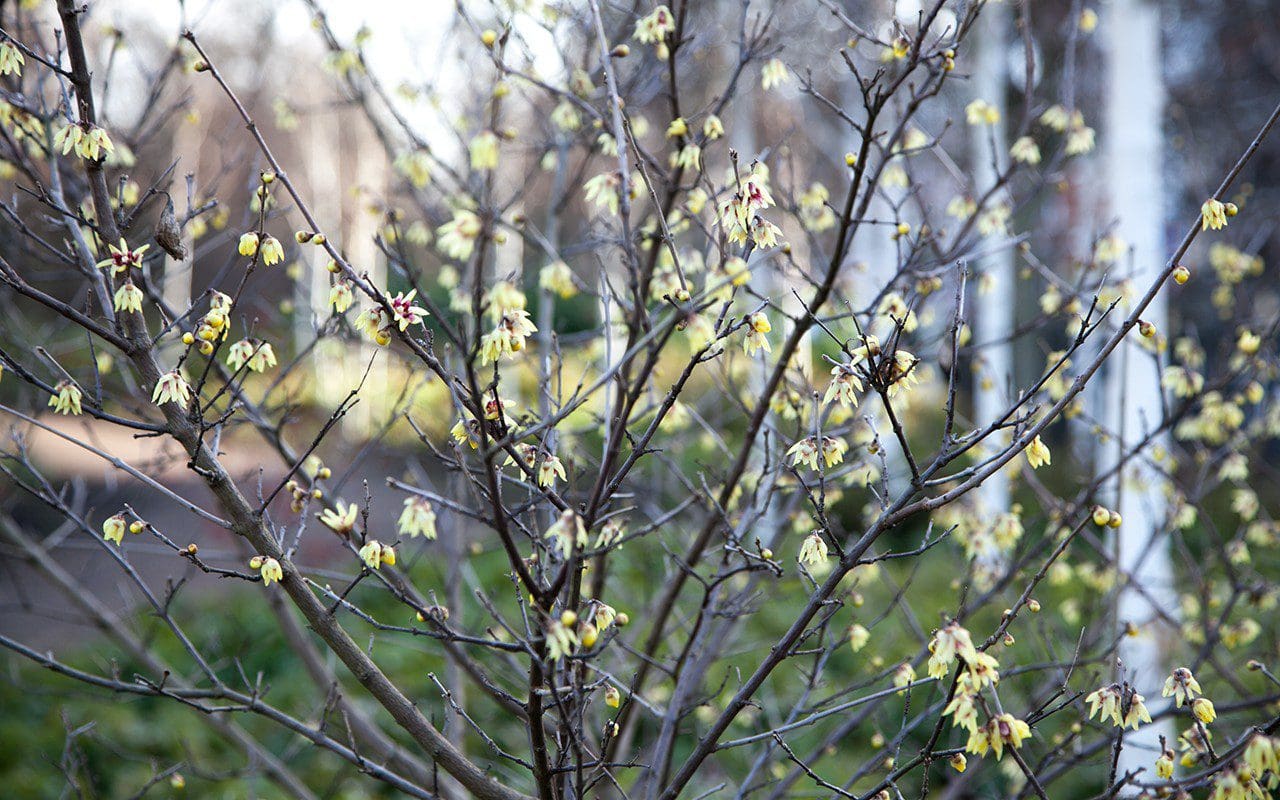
(1181, 275)
(489, 37)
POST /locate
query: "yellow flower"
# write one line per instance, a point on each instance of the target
(269, 569)
(958, 762)
(1203, 709)
(1038, 454)
(122, 257)
(980, 112)
(1105, 704)
(756, 340)
(549, 470)
(341, 297)
(484, 151)
(1025, 150)
(113, 528)
(341, 519)
(677, 127)
(11, 60)
(565, 532)
(1164, 765)
(417, 519)
(1213, 215)
(248, 246)
(1005, 729)
(272, 251)
(612, 697)
(813, 551)
(858, 635)
(843, 387)
(128, 298)
(712, 127)
(374, 554)
(557, 277)
(171, 388)
(1181, 685)
(773, 73)
(457, 237)
(656, 26)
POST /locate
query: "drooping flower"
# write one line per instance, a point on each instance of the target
(843, 387)
(560, 640)
(712, 127)
(341, 297)
(248, 246)
(268, 568)
(66, 399)
(756, 340)
(1038, 454)
(656, 26)
(11, 60)
(128, 298)
(1105, 704)
(567, 530)
(272, 251)
(508, 336)
(374, 554)
(773, 73)
(813, 551)
(1203, 709)
(1213, 215)
(113, 528)
(417, 519)
(1182, 686)
(1026, 151)
(550, 468)
(171, 388)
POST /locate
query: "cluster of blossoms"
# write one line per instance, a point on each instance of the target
(655, 29)
(547, 471)
(739, 217)
(66, 398)
(268, 247)
(1108, 702)
(571, 630)
(258, 354)
(505, 305)
(90, 142)
(809, 449)
(214, 325)
(377, 325)
(980, 670)
(374, 554)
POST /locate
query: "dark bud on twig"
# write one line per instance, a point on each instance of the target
(169, 234)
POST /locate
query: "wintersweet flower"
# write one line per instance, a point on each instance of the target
(66, 398)
(417, 519)
(549, 470)
(1105, 704)
(813, 551)
(1038, 454)
(122, 258)
(858, 635)
(1203, 709)
(603, 191)
(1137, 712)
(374, 554)
(657, 26)
(560, 640)
(712, 127)
(757, 326)
(272, 251)
(113, 528)
(406, 313)
(341, 297)
(1005, 729)
(248, 246)
(843, 387)
(341, 519)
(1026, 151)
(1055, 117)
(268, 568)
(457, 238)
(773, 73)
(963, 709)
(373, 323)
(128, 298)
(1213, 215)
(11, 60)
(557, 277)
(1182, 686)
(171, 388)
(508, 337)
(1164, 765)
(484, 151)
(565, 532)
(950, 641)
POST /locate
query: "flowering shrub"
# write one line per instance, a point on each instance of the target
(739, 511)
